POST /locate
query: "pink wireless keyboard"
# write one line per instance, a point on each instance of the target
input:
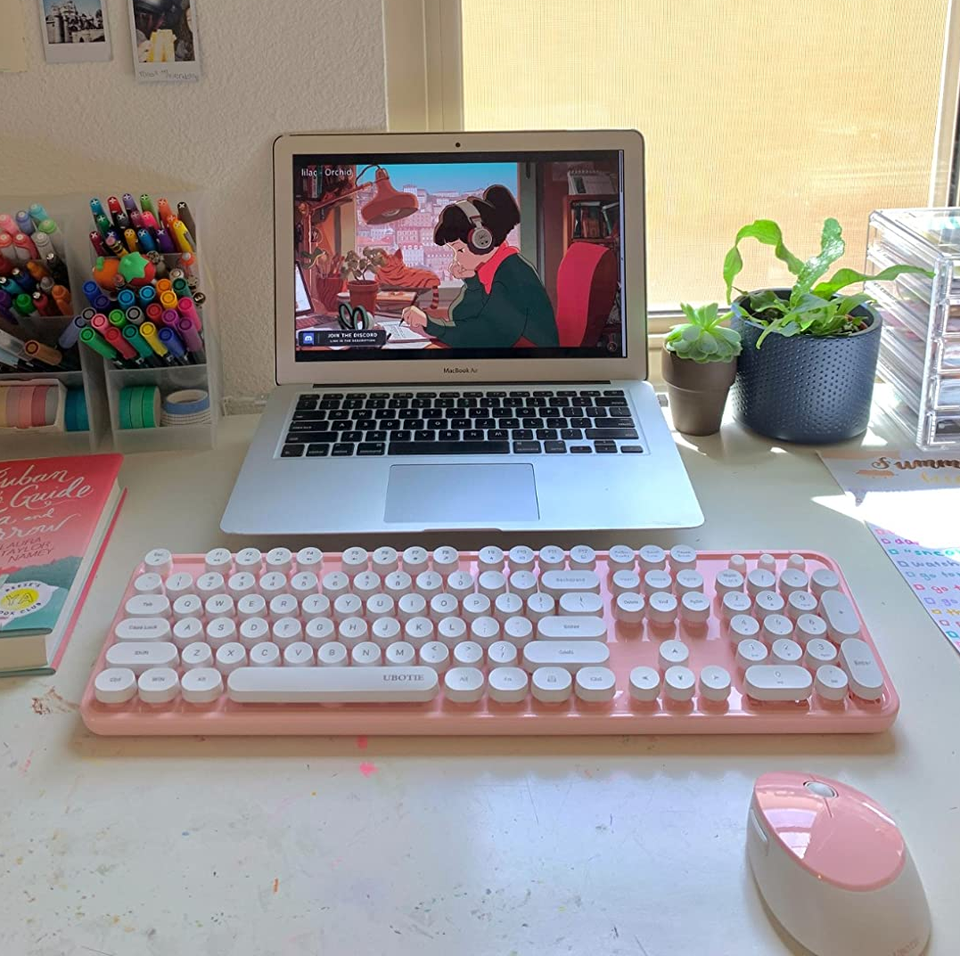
(488, 642)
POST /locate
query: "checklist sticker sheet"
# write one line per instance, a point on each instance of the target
(910, 501)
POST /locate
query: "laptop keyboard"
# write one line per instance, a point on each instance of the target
(588, 421)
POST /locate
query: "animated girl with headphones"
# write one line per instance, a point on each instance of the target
(503, 302)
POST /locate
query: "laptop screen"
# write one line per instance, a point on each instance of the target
(487, 255)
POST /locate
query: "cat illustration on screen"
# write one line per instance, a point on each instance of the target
(394, 273)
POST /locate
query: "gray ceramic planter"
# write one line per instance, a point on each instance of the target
(805, 389)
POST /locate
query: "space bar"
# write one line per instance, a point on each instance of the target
(448, 448)
(331, 685)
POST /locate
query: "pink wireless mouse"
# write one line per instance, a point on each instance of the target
(834, 869)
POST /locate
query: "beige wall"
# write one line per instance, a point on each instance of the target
(267, 68)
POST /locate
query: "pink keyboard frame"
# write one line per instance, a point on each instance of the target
(630, 646)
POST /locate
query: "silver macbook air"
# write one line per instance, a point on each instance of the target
(460, 340)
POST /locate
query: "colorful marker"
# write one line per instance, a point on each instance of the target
(146, 240)
(175, 347)
(130, 204)
(189, 311)
(26, 249)
(135, 315)
(100, 322)
(149, 331)
(117, 318)
(130, 238)
(61, 295)
(146, 294)
(43, 353)
(182, 237)
(115, 338)
(149, 221)
(154, 312)
(132, 335)
(96, 207)
(24, 279)
(170, 317)
(35, 269)
(184, 214)
(25, 223)
(192, 337)
(93, 341)
(165, 242)
(97, 242)
(42, 303)
(9, 285)
(8, 225)
(146, 204)
(71, 334)
(92, 291)
(49, 227)
(164, 211)
(23, 303)
(38, 213)
(103, 223)
(126, 298)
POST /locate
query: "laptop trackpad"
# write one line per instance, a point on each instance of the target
(483, 495)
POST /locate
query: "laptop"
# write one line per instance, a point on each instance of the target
(460, 329)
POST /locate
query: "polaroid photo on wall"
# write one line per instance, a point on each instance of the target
(75, 31)
(165, 41)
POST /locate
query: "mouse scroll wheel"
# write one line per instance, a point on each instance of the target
(820, 789)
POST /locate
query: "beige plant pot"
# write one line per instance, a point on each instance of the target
(697, 392)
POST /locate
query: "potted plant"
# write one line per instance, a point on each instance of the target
(699, 365)
(363, 292)
(809, 352)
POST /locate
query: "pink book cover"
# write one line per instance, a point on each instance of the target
(49, 511)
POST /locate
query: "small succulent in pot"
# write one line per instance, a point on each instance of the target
(699, 366)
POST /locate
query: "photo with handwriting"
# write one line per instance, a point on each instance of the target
(164, 31)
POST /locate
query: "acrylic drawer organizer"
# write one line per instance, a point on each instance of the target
(920, 347)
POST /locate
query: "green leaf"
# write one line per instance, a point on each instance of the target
(689, 311)
(848, 303)
(808, 302)
(708, 343)
(767, 299)
(767, 232)
(690, 333)
(844, 277)
(708, 315)
(831, 248)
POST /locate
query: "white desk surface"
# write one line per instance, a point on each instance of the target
(297, 846)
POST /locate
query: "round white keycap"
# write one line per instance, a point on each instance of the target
(492, 583)
(158, 685)
(266, 654)
(629, 608)
(219, 605)
(366, 654)
(694, 607)
(249, 559)
(775, 626)
(490, 558)
(352, 630)
(507, 605)
(115, 685)
(583, 557)
(367, 583)
(823, 579)
(333, 654)
(785, 651)
(521, 558)
(400, 654)
(831, 683)
(385, 560)
(310, 559)
(279, 559)
(178, 583)
(714, 683)
(580, 604)
(272, 583)
(435, 655)
(213, 582)
(410, 606)
(760, 579)
(443, 605)
(221, 630)
(595, 685)
(148, 605)
(792, 580)
(429, 583)
(688, 580)
(347, 605)
(819, 652)
(734, 603)
(728, 581)
(418, 630)
(398, 583)
(644, 684)
(202, 685)
(540, 605)
(682, 556)
(801, 602)
(652, 558)
(334, 584)
(810, 627)
(315, 605)
(229, 657)
(523, 584)
(518, 631)
(672, 652)
(218, 559)
(241, 583)
(159, 560)
(679, 683)
(284, 605)
(750, 652)
(507, 685)
(738, 563)
(354, 560)
(654, 581)
(253, 631)
(551, 685)
(768, 562)
(474, 606)
(742, 627)
(452, 630)
(459, 584)
(625, 581)
(468, 654)
(661, 608)
(251, 605)
(796, 561)
(551, 558)
(288, 630)
(380, 605)
(186, 631)
(769, 602)
(385, 631)
(463, 685)
(148, 583)
(502, 654)
(187, 605)
(446, 560)
(415, 560)
(197, 654)
(621, 558)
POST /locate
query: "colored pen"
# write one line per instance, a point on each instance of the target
(7, 249)
(103, 223)
(44, 353)
(113, 205)
(23, 303)
(129, 203)
(25, 223)
(23, 279)
(46, 284)
(8, 225)
(126, 298)
(154, 311)
(97, 242)
(163, 210)
(145, 203)
(165, 242)
(146, 240)
(101, 303)
(38, 213)
(115, 338)
(149, 331)
(90, 338)
(130, 238)
(132, 335)
(42, 303)
(174, 346)
(149, 220)
(9, 285)
(146, 294)
(26, 249)
(6, 306)
(191, 336)
(100, 323)
(35, 269)
(117, 318)
(121, 221)
(61, 295)
(44, 245)
(71, 334)
(87, 315)
(135, 315)
(188, 311)
(170, 317)
(168, 299)
(182, 288)
(53, 231)
(96, 207)
(6, 266)
(92, 291)
(184, 214)
(182, 237)
(136, 220)
(164, 285)
(56, 268)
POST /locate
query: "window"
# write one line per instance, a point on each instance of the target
(751, 109)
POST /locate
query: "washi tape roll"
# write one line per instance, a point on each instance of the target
(10, 405)
(75, 411)
(188, 401)
(150, 406)
(136, 406)
(25, 406)
(123, 407)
